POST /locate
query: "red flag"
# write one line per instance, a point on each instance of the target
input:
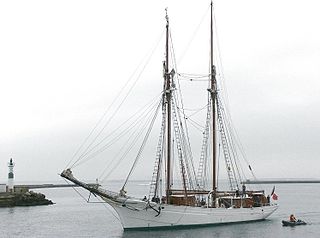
(274, 196)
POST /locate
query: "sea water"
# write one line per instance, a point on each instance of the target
(73, 216)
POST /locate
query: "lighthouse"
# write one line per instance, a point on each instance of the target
(10, 176)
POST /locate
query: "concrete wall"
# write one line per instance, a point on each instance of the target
(3, 188)
(19, 189)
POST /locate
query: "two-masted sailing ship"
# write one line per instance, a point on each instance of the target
(199, 200)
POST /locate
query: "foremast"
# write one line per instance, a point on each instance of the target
(213, 94)
(167, 101)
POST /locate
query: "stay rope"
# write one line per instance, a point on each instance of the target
(129, 145)
(113, 102)
(142, 146)
(140, 116)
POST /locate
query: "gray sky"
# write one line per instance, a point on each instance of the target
(62, 62)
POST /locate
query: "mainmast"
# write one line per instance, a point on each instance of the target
(213, 92)
(167, 87)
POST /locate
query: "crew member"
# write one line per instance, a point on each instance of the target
(292, 218)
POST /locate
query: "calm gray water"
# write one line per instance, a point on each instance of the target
(71, 216)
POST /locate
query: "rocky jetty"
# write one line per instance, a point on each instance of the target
(28, 198)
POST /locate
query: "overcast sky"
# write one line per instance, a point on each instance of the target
(62, 62)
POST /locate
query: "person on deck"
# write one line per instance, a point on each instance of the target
(292, 218)
(243, 190)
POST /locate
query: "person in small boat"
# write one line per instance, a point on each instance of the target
(292, 218)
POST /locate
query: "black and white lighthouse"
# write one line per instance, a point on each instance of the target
(10, 176)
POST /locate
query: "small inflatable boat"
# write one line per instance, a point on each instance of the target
(293, 223)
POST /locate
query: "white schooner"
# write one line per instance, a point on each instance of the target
(199, 201)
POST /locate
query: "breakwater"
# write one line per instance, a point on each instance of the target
(277, 181)
(45, 185)
(28, 198)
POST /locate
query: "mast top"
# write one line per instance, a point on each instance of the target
(167, 17)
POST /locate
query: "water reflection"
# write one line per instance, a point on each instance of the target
(11, 210)
(230, 230)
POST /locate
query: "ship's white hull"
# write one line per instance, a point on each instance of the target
(139, 214)
(138, 217)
